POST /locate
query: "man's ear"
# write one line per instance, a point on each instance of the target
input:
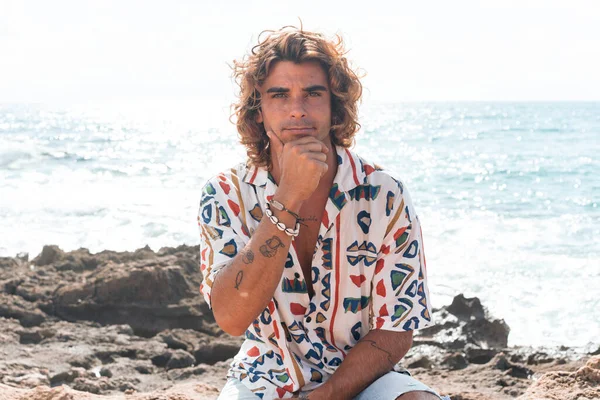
(259, 117)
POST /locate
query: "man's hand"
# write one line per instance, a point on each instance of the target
(301, 163)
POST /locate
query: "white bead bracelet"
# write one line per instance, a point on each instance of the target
(280, 225)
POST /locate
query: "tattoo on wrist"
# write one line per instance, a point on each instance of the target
(389, 356)
(238, 279)
(269, 249)
(247, 256)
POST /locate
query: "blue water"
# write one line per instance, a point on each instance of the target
(508, 193)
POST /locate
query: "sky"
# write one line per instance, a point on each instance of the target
(85, 51)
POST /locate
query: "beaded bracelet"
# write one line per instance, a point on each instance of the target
(279, 206)
(280, 225)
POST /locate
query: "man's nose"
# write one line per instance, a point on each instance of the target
(297, 107)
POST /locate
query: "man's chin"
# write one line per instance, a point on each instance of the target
(287, 137)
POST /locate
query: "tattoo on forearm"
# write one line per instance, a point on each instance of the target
(247, 256)
(269, 249)
(238, 279)
(389, 356)
(311, 218)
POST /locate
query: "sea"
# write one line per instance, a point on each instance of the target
(508, 193)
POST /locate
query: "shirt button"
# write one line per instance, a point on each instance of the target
(325, 359)
(308, 319)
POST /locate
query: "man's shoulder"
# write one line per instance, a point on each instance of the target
(378, 175)
(237, 172)
(223, 180)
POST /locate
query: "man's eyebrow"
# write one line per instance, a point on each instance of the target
(278, 90)
(313, 88)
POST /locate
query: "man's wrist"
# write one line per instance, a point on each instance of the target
(290, 202)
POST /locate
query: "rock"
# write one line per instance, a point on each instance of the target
(150, 295)
(9, 263)
(95, 386)
(83, 361)
(180, 374)
(420, 362)
(144, 369)
(49, 255)
(206, 348)
(30, 337)
(34, 336)
(486, 333)
(25, 312)
(216, 350)
(33, 290)
(127, 387)
(519, 371)
(33, 378)
(10, 285)
(465, 322)
(502, 382)
(476, 355)
(582, 384)
(172, 341)
(166, 336)
(96, 355)
(180, 359)
(539, 358)
(468, 396)
(466, 308)
(502, 363)
(455, 361)
(67, 376)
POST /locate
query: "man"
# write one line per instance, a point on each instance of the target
(313, 253)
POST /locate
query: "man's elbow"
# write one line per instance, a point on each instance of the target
(228, 325)
(232, 329)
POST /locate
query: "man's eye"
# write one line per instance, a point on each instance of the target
(278, 95)
(314, 94)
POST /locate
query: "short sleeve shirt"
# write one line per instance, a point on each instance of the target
(368, 272)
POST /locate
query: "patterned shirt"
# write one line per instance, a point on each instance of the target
(368, 272)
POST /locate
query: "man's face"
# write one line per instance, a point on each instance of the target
(296, 101)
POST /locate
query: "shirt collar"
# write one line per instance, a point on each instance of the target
(350, 173)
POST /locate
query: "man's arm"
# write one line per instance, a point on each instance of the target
(244, 288)
(372, 357)
(400, 305)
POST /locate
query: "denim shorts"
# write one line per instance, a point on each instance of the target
(388, 387)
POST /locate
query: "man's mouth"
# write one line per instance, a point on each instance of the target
(300, 130)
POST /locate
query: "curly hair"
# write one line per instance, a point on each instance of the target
(296, 45)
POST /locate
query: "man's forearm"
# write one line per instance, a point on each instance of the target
(372, 357)
(243, 289)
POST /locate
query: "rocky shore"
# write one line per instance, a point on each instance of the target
(132, 325)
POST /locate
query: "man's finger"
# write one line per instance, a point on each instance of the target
(311, 147)
(316, 155)
(308, 140)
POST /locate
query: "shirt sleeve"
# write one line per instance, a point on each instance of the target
(400, 291)
(222, 233)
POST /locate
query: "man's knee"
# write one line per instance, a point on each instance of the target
(418, 395)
